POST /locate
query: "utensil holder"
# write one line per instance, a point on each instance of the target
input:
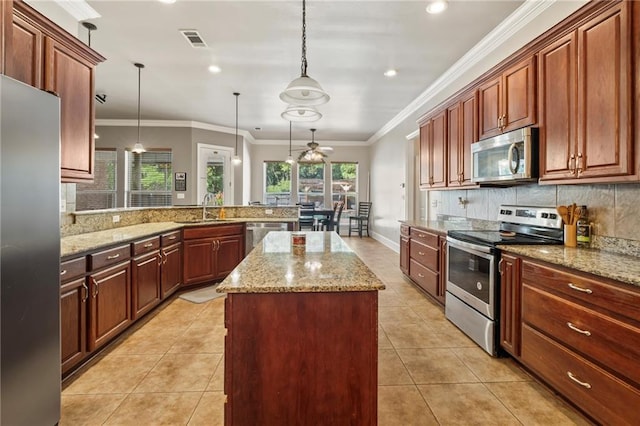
(570, 236)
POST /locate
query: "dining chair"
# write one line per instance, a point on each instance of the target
(305, 216)
(337, 213)
(360, 220)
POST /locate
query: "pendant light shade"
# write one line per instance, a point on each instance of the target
(290, 159)
(304, 90)
(236, 159)
(138, 148)
(301, 113)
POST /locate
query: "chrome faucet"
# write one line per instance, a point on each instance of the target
(206, 200)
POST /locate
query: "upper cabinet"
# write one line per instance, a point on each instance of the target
(462, 131)
(508, 101)
(6, 11)
(586, 99)
(45, 56)
(433, 151)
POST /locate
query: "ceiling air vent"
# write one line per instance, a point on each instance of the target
(194, 38)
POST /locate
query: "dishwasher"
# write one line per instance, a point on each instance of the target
(256, 231)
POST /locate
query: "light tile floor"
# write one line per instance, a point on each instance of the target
(169, 371)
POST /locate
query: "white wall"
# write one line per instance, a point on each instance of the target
(390, 154)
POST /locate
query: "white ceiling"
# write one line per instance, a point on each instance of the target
(258, 46)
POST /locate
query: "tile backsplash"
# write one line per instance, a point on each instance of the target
(613, 209)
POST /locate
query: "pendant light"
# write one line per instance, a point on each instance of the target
(301, 113)
(304, 90)
(138, 148)
(290, 159)
(236, 159)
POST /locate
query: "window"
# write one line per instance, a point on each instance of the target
(101, 194)
(277, 183)
(311, 183)
(148, 179)
(344, 184)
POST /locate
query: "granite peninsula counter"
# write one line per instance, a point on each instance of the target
(302, 334)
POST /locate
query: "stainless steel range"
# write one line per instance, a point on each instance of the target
(473, 284)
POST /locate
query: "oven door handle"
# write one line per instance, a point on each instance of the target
(474, 248)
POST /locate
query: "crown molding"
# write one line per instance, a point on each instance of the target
(515, 22)
(79, 9)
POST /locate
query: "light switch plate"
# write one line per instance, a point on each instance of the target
(268, 211)
(116, 218)
(180, 196)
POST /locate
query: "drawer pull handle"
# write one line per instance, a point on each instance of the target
(173, 237)
(575, 379)
(148, 245)
(63, 272)
(584, 290)
(420, 275)
(421, 253)
(115, 256)
(86, 292)
(576, 329)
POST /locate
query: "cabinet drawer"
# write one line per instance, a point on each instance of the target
(424, 277)
(618, 299)
(602, 395)
(109, 257)
(425, 255)
(171, 238)
(73, 268)
(597, 336)
(425, 237)
(212, 231)
(145, 246)
(404, 230)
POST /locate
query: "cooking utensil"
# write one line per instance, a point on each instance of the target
(572, 214)
(563, 211)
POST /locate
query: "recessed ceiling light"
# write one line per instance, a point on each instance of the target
(214, 69)
(167, 1)
(437, 6)
(390, 73)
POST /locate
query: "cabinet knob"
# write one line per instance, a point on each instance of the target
(148, 245)
(63, 272)
(579, 165)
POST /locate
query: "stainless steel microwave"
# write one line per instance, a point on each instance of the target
(506, 159)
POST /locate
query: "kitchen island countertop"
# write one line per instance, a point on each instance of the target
(619, 267)
(326, 264)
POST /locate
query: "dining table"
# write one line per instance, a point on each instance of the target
(319, 217)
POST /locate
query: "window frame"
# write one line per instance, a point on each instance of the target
(128, 192)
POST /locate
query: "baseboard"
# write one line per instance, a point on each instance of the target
(393, 245)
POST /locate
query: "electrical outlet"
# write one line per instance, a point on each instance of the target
(180, 196)
(268, 211)
(116, 218)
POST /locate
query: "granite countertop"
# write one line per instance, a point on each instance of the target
(326, 264)
(620, 267)
(445, 225)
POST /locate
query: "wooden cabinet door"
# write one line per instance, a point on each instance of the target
(519, 95)
(490, 108)
(109, 303)
(557, 70)
(425, 155)
(171, 269)
(438, 161)
(199, 261)
(25, 63)
(605, 140)
(229, 253)
(6, 11)
(145, 283)
(454, 138)
(73, 323)
(469, 135)
(510, 312)
(72, 78)
(404, 255)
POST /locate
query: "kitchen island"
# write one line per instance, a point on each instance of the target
(302, 334)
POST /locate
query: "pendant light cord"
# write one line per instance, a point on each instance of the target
(236, 94)
(139, 72)
(289, 138)
(303, 66)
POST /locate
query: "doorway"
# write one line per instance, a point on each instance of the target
(215, 173)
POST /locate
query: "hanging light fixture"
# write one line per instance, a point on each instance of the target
(312, 155)
(301, 113)
(304, 90)
(290, 159)
(138, 148)
(236, 159)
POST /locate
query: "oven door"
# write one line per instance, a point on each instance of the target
(471, 275)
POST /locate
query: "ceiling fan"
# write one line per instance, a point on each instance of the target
(314, 153)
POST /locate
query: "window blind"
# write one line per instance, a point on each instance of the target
(149, 178)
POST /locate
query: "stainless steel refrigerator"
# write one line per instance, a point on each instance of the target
(29, 255)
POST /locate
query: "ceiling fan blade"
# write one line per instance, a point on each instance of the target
(325, 148)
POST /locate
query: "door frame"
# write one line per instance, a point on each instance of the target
(202, 149)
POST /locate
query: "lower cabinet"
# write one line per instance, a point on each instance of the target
(211, 252)
(579, 333)
(423, 259)
(74, 294)
(146, 282)
(171, 271)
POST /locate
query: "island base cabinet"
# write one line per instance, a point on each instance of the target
(301, 358)
(603, 396)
